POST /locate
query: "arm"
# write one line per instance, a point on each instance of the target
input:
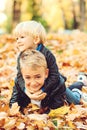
(18, 96)
(54, 75)
(19, 77)
(18, 82)
(14, 97)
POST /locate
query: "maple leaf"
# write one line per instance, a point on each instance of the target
(14, 109)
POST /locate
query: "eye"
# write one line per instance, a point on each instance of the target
(22, 36)
(16, 38)
(27, 77)
(38, 76)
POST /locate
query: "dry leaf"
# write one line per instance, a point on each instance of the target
(14, 109)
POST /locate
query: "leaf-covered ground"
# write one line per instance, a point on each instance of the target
(70, 51)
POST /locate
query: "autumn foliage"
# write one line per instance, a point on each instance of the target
(70, 51)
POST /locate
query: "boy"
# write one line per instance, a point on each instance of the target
(34, 70)
(32, 35)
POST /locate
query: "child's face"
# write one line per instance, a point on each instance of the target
(25, 42)
(34, 78)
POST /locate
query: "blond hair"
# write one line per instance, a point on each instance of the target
(32, 58)
(32, 28)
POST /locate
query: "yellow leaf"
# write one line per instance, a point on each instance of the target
(71, 125)
(59, 111)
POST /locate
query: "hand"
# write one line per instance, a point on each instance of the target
(39, 95)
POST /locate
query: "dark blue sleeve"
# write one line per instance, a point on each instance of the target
(53, 79)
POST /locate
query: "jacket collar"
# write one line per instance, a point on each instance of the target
(39, 47)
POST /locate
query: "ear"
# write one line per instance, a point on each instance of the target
(46, 73)
(36, 39)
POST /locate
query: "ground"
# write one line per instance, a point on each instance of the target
(70, 51)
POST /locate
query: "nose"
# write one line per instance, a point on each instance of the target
(33, 82)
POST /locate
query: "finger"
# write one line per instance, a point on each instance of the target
(42, 96)
(39, 97)
(39, 92)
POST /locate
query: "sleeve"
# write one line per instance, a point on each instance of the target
(54, 76)
(19, 83)
(19, 96)
(19, 77)
(14, 97)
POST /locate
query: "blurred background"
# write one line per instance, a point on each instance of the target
(53, 14)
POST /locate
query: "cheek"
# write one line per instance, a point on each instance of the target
(17, 45)
(42, 81)
(27, 45)
(26, 81)
(27, 85)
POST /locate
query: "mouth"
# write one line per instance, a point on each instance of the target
(21, 45)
